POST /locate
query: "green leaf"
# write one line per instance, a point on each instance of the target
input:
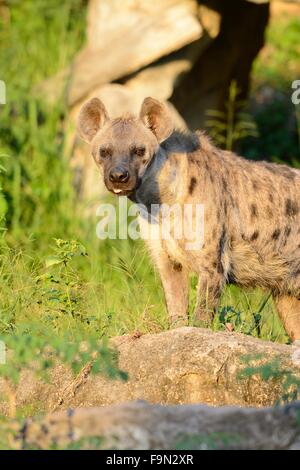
(52, 261)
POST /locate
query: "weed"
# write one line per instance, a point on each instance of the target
(273, 370)
(210, 441)
(228, 127)
(34, 347)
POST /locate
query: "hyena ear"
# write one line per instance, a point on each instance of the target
(157, 117)
(92, 117)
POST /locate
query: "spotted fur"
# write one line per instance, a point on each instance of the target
(251, 211)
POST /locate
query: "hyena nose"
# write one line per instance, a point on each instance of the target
(119, 175)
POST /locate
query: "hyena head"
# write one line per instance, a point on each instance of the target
(124, 147)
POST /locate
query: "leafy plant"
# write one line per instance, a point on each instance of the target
(228, 317)
(60, 286)
(212, 441)
(38, 348)
(231, 125)
(239, 321)
(3, 203)
(273, 370)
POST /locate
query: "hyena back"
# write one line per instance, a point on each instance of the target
(251, 209)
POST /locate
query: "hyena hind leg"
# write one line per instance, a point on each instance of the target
(208, 298)
(288, 308)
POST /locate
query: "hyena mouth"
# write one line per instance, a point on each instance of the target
(126, 191)
(122, 192)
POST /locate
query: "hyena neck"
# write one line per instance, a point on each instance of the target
(164, 181)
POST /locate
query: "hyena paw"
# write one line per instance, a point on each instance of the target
(203, 318)
(177, 322)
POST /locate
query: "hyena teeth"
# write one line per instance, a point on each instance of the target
(117, 191)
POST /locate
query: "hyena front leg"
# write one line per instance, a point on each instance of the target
(208, 297)
(289, 311)
(174, 278)
(175, 281)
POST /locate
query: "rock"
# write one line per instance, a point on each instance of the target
(124, 99)
(140, 33)
(154, 40)
(139, 425)
(122, 38)
(107, 21)
(183, 51)
(184, 365)
(210, 19)
(160, 78)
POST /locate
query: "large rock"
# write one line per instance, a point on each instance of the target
(125, 36)
(195, 78)
(184, 365)
(183, 51)
(142, 426)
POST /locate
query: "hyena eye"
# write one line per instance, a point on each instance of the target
(139, 151)
(105, 152)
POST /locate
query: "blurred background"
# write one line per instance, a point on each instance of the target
(224, 66)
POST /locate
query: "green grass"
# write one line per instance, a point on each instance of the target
(113, 289)
(279, 62)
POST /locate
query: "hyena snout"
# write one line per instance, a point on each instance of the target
(119, 175)
(120, 179)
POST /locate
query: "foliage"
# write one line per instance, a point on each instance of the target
(228, 127)
(254, 314)
(31, 343)
(3, 203)
(279, 61)
(212, 441)
(276, 122)
(60, 287)
(85, 443)
(250, 311)
(37, 183)
(36, 347)
(273, 370)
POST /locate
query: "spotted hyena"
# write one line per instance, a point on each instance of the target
(251, 209)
